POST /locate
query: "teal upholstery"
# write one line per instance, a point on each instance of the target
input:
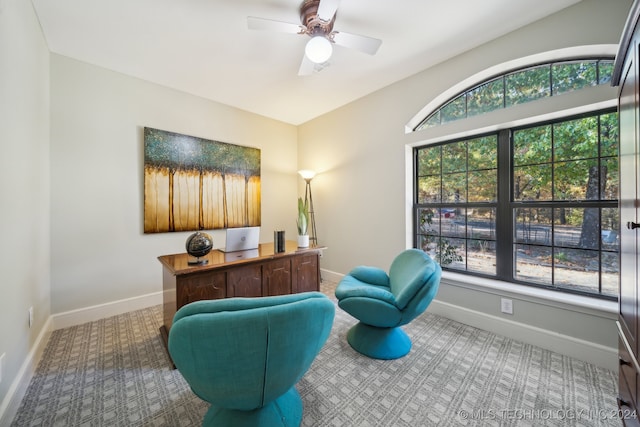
(245, 355)
(382, 303)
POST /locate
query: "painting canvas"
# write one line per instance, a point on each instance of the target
(192, 183)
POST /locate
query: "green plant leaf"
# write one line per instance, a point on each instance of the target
(303, 217)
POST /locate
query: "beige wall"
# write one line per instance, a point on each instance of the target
(359, 149)
(100, 251)
(24, 186)
(71, 176)
(362, 195)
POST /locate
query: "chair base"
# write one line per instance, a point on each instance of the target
(379, 343)
(285, 411)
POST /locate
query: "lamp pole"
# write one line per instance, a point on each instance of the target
(313, 235)
(308, 175)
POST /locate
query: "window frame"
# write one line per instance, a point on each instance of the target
(505, 240)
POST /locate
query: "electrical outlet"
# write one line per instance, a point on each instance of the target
(506, 305)
(2, 365)
(30, 316)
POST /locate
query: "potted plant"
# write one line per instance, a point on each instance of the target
(303, 223)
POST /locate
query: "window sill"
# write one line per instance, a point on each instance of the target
(578, 303)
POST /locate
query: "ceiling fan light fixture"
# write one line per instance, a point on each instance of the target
(318, 49)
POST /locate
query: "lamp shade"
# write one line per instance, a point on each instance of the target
(307, 174)
(318, 49)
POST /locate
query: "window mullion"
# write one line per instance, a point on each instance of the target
(504, 213)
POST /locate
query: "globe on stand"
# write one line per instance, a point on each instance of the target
(198, 245)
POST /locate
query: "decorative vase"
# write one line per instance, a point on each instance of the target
(198, 245)
(303, 241)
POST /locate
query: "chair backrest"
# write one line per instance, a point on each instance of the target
(243, 353)
(413, 275)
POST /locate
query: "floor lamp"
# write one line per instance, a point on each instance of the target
(308, 175)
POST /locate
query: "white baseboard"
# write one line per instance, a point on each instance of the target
(330, 275)
(597, 354)
(11, 403)
(101, 311)
(13, 398)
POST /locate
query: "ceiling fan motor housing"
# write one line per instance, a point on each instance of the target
(310, 19)
(317, 18)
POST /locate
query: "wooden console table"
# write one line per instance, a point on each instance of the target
(257, 273)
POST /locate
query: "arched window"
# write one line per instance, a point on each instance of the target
(532, 201)
(520, 86)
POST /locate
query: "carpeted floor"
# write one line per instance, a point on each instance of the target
(115, 372)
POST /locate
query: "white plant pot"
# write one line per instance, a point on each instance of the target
(303, 241)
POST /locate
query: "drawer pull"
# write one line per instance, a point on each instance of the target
(634, 361)
(632, 225)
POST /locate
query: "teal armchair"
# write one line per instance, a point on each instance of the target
(384, 302)
(245, 355)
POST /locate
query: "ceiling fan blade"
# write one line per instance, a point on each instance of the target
(327, 9)
(353, 41)
(306, 67)
(270, 25)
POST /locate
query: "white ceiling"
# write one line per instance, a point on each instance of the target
(203, 47)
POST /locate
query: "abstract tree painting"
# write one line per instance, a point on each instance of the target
(192, 183)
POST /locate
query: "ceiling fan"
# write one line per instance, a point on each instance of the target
(317, 19)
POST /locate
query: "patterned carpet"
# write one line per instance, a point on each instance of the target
(115, 372)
